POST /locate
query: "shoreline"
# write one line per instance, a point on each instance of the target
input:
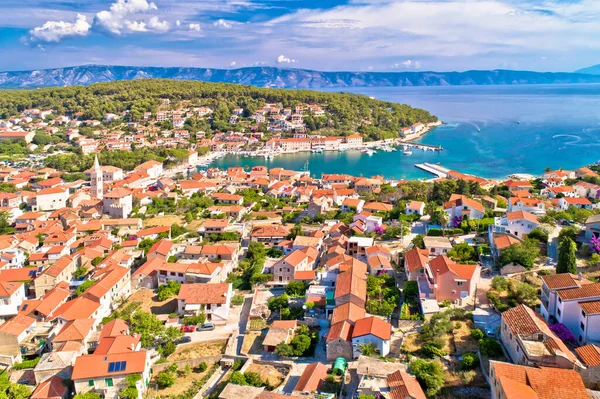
(421, 133)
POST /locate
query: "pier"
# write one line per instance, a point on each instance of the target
(434, 169)
(424, 147)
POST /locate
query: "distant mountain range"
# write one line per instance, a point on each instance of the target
(593, 70)
(289, 78)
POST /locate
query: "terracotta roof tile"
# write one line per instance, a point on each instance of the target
(589, 355)
(374, 326)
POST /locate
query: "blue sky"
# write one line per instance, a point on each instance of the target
(380, 35)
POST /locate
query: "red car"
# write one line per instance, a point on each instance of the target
(187, 329)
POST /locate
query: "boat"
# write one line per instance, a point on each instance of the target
(317, 150)
(371, 152)
(407, 151)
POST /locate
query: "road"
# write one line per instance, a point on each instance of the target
(243, 323)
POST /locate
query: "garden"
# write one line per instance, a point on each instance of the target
(507, 293)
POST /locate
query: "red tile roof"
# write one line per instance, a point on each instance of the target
(312, 377)
(204, 294)
(589, 355)
(96, 366)
(373, 326)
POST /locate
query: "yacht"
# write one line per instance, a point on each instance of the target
(407, 151)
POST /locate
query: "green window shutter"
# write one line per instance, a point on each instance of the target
(90, 383)
(109, 382)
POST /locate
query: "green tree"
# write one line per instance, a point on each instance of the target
(567, 261)
(429, 374)
(278, 302)
(148, 326)
(418, 241)
(168, 290)
(86, 395)
(84, 286)
(462, 253)
(524, 253)
(296, 288)
(301, 343)
(166, 379)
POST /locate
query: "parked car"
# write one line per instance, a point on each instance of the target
(187, 329)
(206, 327)
(185, 340)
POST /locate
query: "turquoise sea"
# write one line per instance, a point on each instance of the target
(490, 131)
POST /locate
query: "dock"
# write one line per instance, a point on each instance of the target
(434, 169)
(424, 147)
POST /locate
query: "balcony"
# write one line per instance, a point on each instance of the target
(426, 289)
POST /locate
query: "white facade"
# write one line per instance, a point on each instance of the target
(383, 346)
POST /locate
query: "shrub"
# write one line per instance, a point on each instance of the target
(500, 283)
(490, 347)
(26, 364)
(469, 361)
(545, 272)
(296, 288)
(431, 351)
(237, 300)
(467, 377)
(411, 288)
(202, 367)
(166, 379)
(429, 374)
(477, 334)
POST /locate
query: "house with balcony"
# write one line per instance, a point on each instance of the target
(551, 285)
(442, 279)
(517, 223)
(577, 307)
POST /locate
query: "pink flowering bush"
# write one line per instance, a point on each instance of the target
(562, 332)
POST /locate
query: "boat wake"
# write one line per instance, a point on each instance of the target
(576, 139)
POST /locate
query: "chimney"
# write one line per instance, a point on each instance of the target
(132, 347)
(579, 276)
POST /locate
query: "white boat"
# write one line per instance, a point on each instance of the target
(371, 152)
(407, 151)
(317, 150)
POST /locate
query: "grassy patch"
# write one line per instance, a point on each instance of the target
(199, 349)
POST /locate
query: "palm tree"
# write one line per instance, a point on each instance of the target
(368, 349)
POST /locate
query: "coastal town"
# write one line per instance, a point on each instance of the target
(130, 267)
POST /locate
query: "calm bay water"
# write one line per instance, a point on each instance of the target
(490, 131)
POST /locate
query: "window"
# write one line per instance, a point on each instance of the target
(559, 300)
(108, 382)
(582, 326)
(558, 311)
(90, 383)
(582, 313)
(460, 283)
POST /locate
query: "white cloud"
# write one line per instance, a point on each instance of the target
(282, 59)
(178, 23)
(156, 25)
(195, 27)
(221, 23)
(408, 64)
(119, 18)
(55, 31)
(233, 64)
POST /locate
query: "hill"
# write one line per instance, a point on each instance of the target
(283, 78)
(592, 70)
(344, 112)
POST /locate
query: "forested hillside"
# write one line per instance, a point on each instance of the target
(350, 112)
